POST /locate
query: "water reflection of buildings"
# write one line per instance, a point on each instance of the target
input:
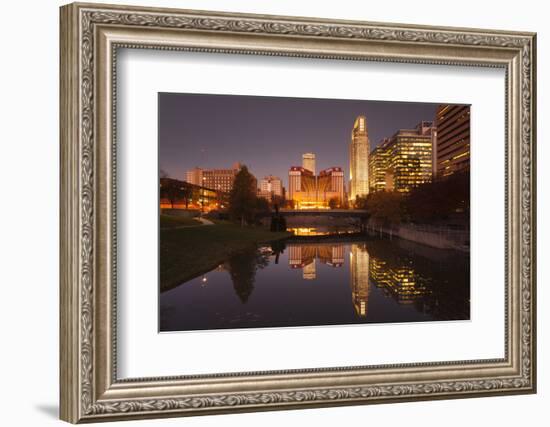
(309, 272)
(401, 282)
(303, 257)
(359, 274)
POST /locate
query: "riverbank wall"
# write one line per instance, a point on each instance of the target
(440, 237)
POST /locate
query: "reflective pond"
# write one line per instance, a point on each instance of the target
(303, 284)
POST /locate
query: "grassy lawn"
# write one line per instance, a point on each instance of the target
(171, 221)
(186, 253)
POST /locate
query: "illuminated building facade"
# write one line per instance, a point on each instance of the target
(409, 161)
(215, 179)
(270, 187)
(302, 187)
(308, 162)
(220, 179)
(359, 159)
(194, 176)
(452, 150)
(307, 191)
(359, 276)
(175, 194)
(330, 185)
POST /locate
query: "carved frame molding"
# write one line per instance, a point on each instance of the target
(90, 37)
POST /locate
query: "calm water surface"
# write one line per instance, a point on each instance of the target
(301, 284)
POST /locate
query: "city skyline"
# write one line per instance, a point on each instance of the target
(272, 133)
(331, 191)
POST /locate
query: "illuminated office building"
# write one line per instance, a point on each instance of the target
(194, 176)
(220, 179)
(359, 274)
(452, 150)
(307, 191)
(409, 161)
(308, 162)
(215, 179)
(359, 159)
(270, 187)
(330, 185)
(302, 187)
(378, 165)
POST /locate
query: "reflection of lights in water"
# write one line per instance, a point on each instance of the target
(204, 281)
(309, 271)
(306, 231)
(402, 282)
(314, 231)
(265, 250)
(359, 276)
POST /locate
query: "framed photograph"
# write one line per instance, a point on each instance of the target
(266, 212)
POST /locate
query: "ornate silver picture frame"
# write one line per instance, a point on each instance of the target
(91, 390)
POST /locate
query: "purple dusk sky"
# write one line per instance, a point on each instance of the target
(270, 134)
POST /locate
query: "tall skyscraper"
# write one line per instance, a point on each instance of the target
(452, 150)
(308, 162)
(359, 159)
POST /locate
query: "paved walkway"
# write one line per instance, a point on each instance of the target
(204, 221)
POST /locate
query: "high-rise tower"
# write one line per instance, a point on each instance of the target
(359, 159)
(308, 162)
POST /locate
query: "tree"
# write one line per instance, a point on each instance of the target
(169, 189)
(345, 203)
(242, 268)
(242, 199)
(360, 202)
(262, 206)
(439, 199)
(384, 206)
(176, 191)
(186, 194)
(278, 201)
(334, 202)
